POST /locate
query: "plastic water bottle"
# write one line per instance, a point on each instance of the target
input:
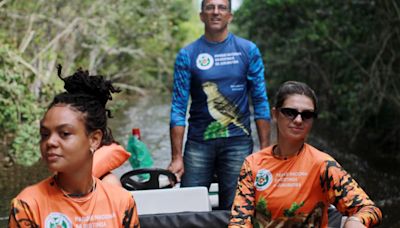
(140, 155)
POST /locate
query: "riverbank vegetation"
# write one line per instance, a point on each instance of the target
(347, 50)
(132, 42)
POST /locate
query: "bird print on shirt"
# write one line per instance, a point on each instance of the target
(221, 109)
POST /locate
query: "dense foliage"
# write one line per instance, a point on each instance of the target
(346, 50)
(132, 42)
(19, 110)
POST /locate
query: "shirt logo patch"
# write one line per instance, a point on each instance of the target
(57, 220)
(204, 61)
(263, 179)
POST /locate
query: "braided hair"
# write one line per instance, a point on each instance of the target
(89, 95)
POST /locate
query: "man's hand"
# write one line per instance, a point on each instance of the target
(176, 167)
(263, 130)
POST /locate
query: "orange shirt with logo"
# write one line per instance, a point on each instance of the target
(44, 205)
(275, 192)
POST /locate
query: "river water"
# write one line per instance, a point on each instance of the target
(151, 115)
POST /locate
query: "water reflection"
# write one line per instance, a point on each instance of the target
(151, 115)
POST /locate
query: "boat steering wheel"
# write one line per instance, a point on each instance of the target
(130, 183)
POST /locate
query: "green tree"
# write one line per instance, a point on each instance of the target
(345, 50)
(133, 43)
(19, 111)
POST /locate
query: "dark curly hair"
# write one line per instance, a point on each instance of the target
(89, 95)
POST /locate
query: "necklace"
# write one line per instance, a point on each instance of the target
(276, 153)
(79, 197)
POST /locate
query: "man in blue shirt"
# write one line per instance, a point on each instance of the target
(219, 71)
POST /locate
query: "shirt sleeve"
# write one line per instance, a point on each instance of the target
(131, 218)
(243, 204)
(181, 89)
(347, 196)
(258, 91)
(21, 215)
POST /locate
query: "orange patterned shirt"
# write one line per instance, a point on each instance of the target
(44, 205)
(297, 192)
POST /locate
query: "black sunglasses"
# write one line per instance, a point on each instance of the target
(292, 113)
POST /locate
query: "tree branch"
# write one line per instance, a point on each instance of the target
(130, 87)
(19, 59)
(67, 30)
(355, 61)
(3, 3)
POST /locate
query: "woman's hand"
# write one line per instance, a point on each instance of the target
(353, 222)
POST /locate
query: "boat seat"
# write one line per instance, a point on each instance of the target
(214, 219)
(172, 200)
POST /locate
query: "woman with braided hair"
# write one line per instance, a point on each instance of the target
(72, 129)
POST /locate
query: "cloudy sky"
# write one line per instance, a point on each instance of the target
(236, 4)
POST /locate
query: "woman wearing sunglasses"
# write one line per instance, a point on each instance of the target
(292, 184)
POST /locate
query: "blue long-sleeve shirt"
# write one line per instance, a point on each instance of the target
(219, 78)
